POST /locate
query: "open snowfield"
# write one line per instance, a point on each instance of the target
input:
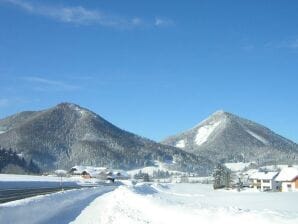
(8, 181)
(189, 203)
(154, 203)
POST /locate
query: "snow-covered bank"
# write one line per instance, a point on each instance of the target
(189, 203)
(61, 207)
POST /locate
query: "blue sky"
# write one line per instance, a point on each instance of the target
(153, 67)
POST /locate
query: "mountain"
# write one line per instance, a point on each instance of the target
(68, 135)
(229, 138)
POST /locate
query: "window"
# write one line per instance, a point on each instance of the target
(258, 181)
(289, 185)
(266, 181)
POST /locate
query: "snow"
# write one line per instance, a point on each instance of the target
(287, 174)
(8, 181)
(237, 166)
(1, 132)
(150, 169)
(258, 137)
(80, 110)
(279, 166)
(181, 143)
(61, 207)
(189, 203)
(205, 131)
(263, 175)
(61, 173)
(155, 204)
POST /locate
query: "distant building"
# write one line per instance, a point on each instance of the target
(101, 173)
(288, 178)
(265, 181)
(90, 172)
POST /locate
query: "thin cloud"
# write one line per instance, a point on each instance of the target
(293, 44)
(161, 22)
(76, 15)
(289, 44)
(248, 47)
(42, 84)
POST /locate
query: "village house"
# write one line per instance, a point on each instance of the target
(265, 181)
(288, 179)
(90, 172)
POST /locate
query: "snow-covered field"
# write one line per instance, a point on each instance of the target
(155, 203)
(189, 203)
(237, 166)
(8, 181)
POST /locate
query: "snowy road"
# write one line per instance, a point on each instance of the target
(156, 204)
(7, 195)
(61, 207)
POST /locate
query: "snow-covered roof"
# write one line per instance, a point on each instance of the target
(92, 170)
(287, 174)
(263, 175)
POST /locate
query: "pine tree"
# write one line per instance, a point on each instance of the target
(146, 177)
(222, 177)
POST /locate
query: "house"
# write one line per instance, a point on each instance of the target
(265, 181)
(288, 179)
(90, 172)
(245, 177)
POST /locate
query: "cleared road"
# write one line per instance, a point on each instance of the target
(7, 195)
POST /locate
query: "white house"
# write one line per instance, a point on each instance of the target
(288, 178)
(265, 181)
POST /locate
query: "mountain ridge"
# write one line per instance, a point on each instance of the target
(67, 135)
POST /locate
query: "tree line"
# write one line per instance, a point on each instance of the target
(10, 157)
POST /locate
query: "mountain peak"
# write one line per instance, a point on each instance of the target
(228, 137)
(74, 108)
(219, 112)
(217, 116)
(67, 105)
